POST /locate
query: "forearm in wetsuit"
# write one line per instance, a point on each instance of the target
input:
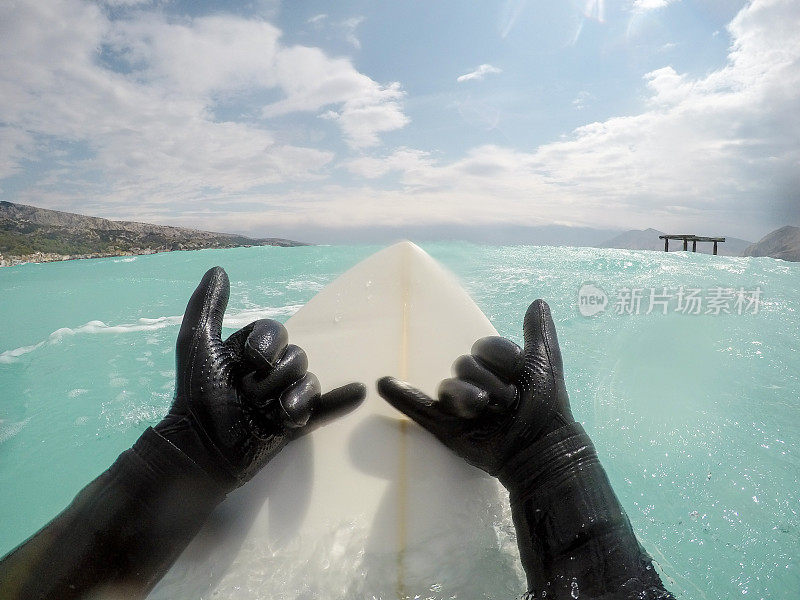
(237, 404)
(507, 412)
(121, 532)
(574, 537)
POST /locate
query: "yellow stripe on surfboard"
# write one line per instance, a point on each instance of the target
(402, 475)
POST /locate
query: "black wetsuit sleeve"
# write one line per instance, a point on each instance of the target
(574, 537)
(121, 533)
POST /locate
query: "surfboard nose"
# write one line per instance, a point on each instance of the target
(407, 246)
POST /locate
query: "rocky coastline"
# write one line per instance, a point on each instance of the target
(35, 235)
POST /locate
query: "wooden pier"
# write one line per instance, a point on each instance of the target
(690, 238)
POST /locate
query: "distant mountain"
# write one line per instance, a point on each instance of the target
(35, 234)
(501, 234)
(783, 243)
(647, 239)
(636, 239)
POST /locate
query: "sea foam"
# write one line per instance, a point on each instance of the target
(233, 320)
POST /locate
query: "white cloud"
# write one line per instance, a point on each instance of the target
(312, 81)
(509, 13)
(126, 2)
(150, 133)
(479, 73)
(15, 146)
(237, 53)
(668, 86)
(142, 112)
(596, 9)
(234, 53)
(582, 100)
(406, 160)
(346, 28)
(710, 153)
(363, 118)
(350, 25)
(646, 5)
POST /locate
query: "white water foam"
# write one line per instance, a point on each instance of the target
(11, 355)
(232, 321)
(10, 430)
(248, 315)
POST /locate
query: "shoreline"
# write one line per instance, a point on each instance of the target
(38, 235)
(50, 257)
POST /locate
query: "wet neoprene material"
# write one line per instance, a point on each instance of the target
(237, 403)
(121, 533)
(507, 412)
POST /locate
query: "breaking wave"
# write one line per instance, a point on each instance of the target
(232, 320)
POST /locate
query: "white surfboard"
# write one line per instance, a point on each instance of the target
(371, 506)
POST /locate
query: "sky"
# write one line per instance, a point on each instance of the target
(352, 121)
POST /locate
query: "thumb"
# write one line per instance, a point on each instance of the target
(541, 343)
(206, 308)
(412, 402)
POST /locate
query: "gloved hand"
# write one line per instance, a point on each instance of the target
(239, 402)
(502, 399)
(507, 412)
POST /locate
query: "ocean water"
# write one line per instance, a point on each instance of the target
(688, 381)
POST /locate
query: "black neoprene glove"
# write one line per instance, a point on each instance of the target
(501, 401)
(238, 402)
(507, 412)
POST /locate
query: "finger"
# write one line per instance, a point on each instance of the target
(412, 402)
(501, 356)
(541, 343)
(336, 403)
(298, 400)
(203, 316)
(236, 340)
(261, 385)
(265, 344)
(502, 396)
(462, 399)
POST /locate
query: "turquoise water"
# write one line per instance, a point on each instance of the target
(696, 416)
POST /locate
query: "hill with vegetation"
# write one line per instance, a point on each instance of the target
(783, 243)
(31, 234)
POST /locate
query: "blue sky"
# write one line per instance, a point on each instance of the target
(333, 121)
